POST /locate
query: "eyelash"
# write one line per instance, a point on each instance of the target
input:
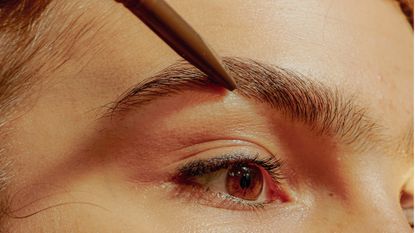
(188, 188)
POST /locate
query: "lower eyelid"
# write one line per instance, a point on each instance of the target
(198, 195)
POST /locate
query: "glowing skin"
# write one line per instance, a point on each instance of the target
(111, 173)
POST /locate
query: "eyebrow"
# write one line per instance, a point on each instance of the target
(323, 108)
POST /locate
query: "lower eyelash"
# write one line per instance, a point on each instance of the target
(194, 194)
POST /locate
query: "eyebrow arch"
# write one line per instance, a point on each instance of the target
(324, 109)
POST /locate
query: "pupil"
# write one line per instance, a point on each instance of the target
(245, 179)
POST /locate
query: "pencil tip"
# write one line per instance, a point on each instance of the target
(225, 78)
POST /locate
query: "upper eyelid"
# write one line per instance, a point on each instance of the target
(222, 143)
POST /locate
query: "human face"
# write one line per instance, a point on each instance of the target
(85, 164)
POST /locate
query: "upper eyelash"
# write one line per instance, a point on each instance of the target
(202, 167)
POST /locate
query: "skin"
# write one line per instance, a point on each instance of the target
(108, 175)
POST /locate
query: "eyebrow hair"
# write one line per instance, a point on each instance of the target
(324, 109)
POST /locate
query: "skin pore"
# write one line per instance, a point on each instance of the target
(77, 168)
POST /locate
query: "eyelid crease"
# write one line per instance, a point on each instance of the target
(222, 144)
(323, 109)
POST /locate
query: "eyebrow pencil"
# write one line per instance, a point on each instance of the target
(178, 34)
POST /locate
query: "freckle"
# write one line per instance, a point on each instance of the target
(331, 194)
(379, 77)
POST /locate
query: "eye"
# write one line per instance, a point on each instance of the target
(235, 181)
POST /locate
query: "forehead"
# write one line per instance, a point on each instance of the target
(346, 37)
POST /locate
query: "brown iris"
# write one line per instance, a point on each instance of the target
(244, 181)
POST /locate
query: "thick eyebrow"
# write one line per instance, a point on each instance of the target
(322, 108)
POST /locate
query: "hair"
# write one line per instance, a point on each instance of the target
(19, 42)
(17, 31)
(18, 20)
